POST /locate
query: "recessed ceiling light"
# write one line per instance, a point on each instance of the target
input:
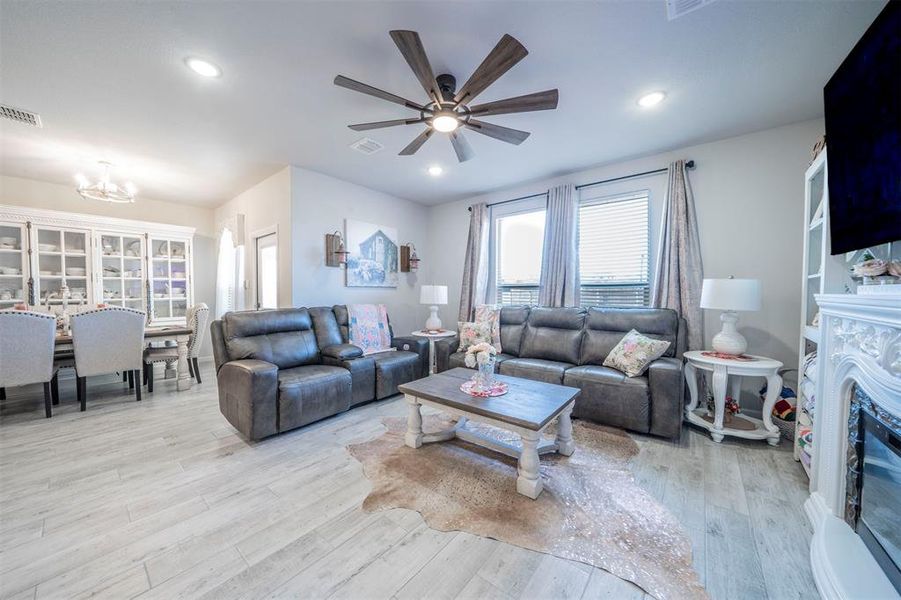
(652, 99)
(435, 170)
(203, 67)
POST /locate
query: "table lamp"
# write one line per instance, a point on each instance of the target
(730, 295)
(433, 295)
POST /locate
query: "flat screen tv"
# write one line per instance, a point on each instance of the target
(863, 138)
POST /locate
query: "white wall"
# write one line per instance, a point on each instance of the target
(265, 205)
(320, 204)
(52, 196)
(749, 195)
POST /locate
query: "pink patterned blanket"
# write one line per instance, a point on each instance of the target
(367, 327)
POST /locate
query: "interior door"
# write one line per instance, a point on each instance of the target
(267, 271)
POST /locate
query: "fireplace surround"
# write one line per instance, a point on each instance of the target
(859, 384)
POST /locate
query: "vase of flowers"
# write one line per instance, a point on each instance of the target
(482, 356)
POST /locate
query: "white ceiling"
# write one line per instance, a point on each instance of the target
(109, 82)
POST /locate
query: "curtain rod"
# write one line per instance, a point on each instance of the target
(688, 165)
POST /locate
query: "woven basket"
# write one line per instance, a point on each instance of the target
(786, 427)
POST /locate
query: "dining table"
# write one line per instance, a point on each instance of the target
(179, 335)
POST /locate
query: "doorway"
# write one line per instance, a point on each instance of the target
(266, 270)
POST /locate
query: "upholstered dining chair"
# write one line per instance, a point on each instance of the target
(26, 352)
(197, 318)
(107, 340)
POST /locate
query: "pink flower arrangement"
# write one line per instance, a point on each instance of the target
(479, 354)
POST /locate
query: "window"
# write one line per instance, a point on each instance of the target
(518, 241)
(614, 249)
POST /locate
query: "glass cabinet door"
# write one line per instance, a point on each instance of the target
(169, 275)
(122, 270)
(62, 260)
(13, 264)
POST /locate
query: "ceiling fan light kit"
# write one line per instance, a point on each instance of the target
(448, 109)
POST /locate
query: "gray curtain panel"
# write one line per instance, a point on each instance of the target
(679, 269)
(474, 290)
(560, 258)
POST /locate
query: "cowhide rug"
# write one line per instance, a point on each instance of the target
(591, 509)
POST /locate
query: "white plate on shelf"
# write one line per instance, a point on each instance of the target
(9, 271)
(48, 247)
(75, 271)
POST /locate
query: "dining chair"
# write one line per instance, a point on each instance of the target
(197, 318)
(107, 340)
(27, 340)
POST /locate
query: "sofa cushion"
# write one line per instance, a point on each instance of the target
(325, 324)
(536, 369)
(458, 359)
(310, 393)
(393, 369)
(283, 337)
(610, 397)
(554, 334)
(513, 324)
(605, 327)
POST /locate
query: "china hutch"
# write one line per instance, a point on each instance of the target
(98, 260)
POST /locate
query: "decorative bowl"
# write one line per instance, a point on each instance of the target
(9, 271)
(75, 271)
(48, 247)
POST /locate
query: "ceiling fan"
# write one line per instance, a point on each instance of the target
(448, 109)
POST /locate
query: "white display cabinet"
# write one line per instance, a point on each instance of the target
(118, 262)
(13, 264)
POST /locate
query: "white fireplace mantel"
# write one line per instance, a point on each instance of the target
(860, 342)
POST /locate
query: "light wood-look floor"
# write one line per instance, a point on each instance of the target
(163, 499)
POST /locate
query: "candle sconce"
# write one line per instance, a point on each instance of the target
(335, 251)
(409, 261)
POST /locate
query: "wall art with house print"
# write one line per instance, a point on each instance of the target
(373, 259)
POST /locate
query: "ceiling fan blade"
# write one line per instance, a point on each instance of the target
(416, 144)
(381, 124)
(546, 100)
(357, 86)
(461, 146)
(501, 59)
(504, 134)
(410, 46)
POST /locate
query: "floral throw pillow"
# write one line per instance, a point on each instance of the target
(472, 334)
(634, 353)
(486, 313)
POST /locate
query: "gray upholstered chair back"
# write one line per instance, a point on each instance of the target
(26, 347)
(513, 324)
(197, 317)
(108, 340)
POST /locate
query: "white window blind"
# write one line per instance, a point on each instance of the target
(614, 249)
(519, 239)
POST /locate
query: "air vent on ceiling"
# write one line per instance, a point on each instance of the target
(366, 146)
(20, 115)
(680, 8)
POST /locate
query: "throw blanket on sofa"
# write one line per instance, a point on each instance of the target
(367, 327)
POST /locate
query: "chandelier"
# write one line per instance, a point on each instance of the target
(104, 189)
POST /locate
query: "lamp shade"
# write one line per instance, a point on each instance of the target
(731, 294)
(433, 294)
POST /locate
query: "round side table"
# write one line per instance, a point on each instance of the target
(723, 370)
(432, 337)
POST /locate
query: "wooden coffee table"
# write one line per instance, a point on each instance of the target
(526, 409)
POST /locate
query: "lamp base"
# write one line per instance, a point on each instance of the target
(729, 341)
(433, 322)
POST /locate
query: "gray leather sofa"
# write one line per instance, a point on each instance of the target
(282, 369)
(568, 346)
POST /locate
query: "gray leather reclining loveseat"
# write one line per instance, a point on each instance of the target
(281, 369)
(568, 346)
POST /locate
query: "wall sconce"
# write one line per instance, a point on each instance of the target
(408, 260)
(335, 252)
